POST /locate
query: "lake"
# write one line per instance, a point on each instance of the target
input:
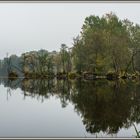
(62, 108)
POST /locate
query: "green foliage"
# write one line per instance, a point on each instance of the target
(65, 58)
(105, 44)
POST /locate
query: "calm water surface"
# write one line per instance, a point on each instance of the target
(51, 108)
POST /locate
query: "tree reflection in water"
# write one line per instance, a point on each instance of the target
(103, 105)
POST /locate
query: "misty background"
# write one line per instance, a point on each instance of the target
(33, 26)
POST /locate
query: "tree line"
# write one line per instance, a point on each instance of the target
(105, 45)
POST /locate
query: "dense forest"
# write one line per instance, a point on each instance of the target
(106, 47)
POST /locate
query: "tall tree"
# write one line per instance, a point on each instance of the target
(64, 57)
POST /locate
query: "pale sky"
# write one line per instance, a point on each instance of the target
(32, 26)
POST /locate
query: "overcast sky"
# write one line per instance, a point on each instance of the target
(32, 26)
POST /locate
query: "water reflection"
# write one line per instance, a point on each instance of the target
(107, 106)
(103, 105)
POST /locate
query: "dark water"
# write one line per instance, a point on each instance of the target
(61, 108)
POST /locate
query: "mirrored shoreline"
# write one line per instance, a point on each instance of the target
(103, 108)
